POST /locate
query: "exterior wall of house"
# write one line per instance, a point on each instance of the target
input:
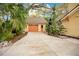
(39, 27)
(44, 27)
(27, 28)
(72, 25)
(70, 6)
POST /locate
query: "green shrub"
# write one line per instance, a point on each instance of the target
(54, 27)
(6, 36)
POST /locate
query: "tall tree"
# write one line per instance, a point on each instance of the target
(13, 18)
(54, 27)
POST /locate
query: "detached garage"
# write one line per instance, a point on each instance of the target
(36, 24)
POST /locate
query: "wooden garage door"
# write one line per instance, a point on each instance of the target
(33, 28)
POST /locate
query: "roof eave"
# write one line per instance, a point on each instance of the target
(71, 12)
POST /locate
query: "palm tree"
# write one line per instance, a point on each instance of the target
(13, 19)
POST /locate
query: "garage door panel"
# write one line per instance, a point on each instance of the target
(33, 28)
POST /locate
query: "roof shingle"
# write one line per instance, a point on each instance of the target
(36, 20)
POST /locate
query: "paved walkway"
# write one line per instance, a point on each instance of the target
(37, 43)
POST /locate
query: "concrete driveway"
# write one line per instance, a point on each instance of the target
(37, 43)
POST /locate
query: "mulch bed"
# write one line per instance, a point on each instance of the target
(63, 36)
(18, 37)
(66, 36)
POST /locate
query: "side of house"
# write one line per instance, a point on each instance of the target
(71, 21)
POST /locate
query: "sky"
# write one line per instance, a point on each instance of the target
(49, 5)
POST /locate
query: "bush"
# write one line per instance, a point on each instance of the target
(54, 26)
(6, 36)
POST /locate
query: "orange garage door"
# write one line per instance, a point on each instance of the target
(33, 28)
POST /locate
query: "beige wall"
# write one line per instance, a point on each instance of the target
(72, 25)
(39, 27)
(27, 28)
(44, 27)
(71, 6)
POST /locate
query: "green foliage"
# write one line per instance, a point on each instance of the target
(54, 27)
(15, 21)
(6, 36)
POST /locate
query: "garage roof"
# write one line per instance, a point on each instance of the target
(36, 20)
